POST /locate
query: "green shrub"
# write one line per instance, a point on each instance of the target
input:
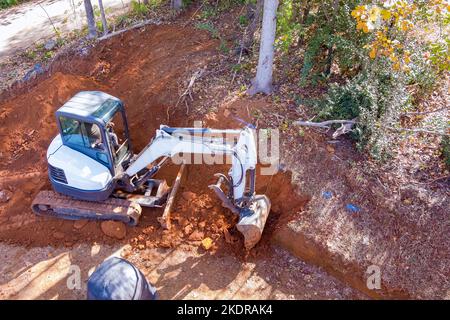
(208, 12)
(223, 47)
(208, 26)
(243, 20)
(422, 74)
(376, 97)
(7, 3)
(139, 8)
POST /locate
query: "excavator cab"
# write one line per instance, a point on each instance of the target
(95, 124)
(92, 146)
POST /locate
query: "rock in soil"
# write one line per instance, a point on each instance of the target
(114, 229)
(4, 196)
(196, 236)
(188, 229)
(50, 44)
(79, 224)
(188, 195)
(58, 235)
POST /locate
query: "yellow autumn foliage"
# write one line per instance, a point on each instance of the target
(395, 16)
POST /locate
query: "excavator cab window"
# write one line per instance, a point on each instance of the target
(118, 138)
(85, 137)
(71, 131)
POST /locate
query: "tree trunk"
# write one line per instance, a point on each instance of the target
(102, 13)
(330, 47)
(295, 11)
(177, 4)
(306, 12)
(146, 2)
(263, 79)
(90, 19)
(250, 34)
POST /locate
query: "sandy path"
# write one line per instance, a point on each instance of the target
(22, 25)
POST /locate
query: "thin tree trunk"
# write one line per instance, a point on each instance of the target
(263, 80)
(250, 34)
(306, 10)
(102, 13)
(330, 47)
(90, 19)
(295, 11)
(177, 4)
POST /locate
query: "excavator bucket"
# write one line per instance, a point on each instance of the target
(251, 223)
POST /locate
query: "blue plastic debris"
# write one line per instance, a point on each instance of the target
(327, 194)
(37, 69)
(352, 208)
(251, 126)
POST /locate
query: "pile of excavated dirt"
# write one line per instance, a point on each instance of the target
(146, 70)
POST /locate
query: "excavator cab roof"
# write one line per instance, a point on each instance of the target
(93, 105)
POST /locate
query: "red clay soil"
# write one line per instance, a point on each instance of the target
(145, 69)
(148, 69)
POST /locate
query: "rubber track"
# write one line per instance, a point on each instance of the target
(61, 206)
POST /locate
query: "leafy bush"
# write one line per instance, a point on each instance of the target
(139, 8)
(243, 20)
(7, 3)
(208, 26)
(329, 34)
(439, 54)
(421, 73)
(376, 97)
(208, 12)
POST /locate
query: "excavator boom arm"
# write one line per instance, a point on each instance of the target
(170, 142)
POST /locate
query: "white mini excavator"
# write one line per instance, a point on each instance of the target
(96, 176)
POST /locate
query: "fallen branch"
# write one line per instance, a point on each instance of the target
(134, 26)
(323, 124)
(164, 220)
(346, 125)
(418, 130)
(193, 15)
(188, 92)
(419, 113)
(438, 179)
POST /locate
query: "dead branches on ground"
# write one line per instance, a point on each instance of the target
(346, 125)
(134, 26)
(417, 130)
(188, 92)
(420, 113)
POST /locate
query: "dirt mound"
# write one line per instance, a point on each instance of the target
(147, 70)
